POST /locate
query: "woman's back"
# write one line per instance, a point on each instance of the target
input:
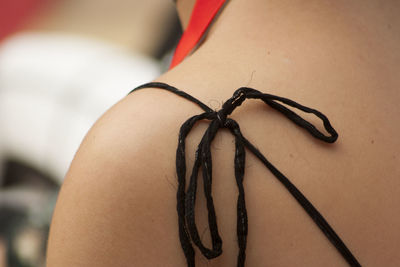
(335, 58)
(343, 64)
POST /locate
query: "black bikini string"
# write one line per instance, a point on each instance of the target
(188, 231)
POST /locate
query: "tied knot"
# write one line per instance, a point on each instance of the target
(221, 117)
(229, 106)
(188, 231)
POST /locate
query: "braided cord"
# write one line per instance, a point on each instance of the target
(188, 231)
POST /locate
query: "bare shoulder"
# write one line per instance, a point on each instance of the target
(117, 204)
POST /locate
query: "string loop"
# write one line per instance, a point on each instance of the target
(188, 231)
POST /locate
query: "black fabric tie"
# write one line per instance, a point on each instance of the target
(188, 231)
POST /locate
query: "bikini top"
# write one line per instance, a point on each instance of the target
(188, 231)
(204, 13)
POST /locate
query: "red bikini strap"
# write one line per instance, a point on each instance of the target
(203, 13)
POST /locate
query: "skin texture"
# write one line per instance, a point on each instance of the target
(117, 206)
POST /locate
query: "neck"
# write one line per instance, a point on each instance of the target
(292, 36)
(185, 8)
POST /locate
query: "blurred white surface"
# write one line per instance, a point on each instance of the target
(54, 87)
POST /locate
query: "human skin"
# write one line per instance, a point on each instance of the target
(118, 204)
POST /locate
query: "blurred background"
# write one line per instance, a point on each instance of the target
(63, 63)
